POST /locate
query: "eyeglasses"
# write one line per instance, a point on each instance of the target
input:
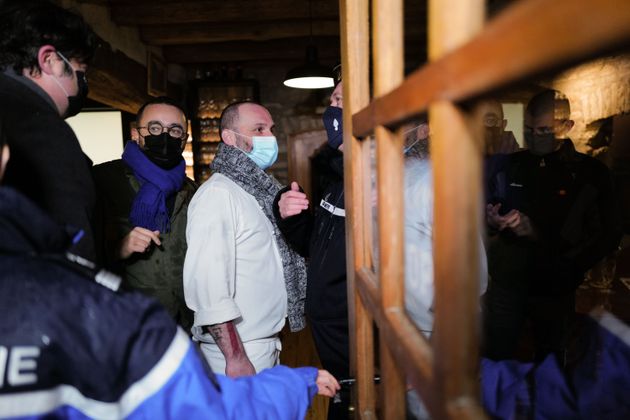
(155, 128)
(492, 121)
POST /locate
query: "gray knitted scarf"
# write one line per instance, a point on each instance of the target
(235, 164)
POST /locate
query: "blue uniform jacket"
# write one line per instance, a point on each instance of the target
(72, 348)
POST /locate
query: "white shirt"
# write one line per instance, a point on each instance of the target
(233, 269)
(419, 287)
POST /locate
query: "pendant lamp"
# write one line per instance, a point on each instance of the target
(311, 75)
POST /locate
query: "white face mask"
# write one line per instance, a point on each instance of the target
(264, 152)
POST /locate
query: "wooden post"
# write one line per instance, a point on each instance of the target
(457, 172)
(356, 94)
(387, 30)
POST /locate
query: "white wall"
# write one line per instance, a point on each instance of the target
(513, 113)
(100, 134)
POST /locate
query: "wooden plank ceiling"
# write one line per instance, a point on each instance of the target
(198, 32)
(208, 34)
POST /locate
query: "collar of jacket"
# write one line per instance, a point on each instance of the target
(329, 159)
(28, 83)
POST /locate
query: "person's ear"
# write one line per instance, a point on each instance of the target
(504, 124)
(136, 137)
(423, 131)
(228, 137)
(4, 159)
(569, 124)
(565, 127)
(45, 58)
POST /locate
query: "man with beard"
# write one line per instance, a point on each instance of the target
(240, 277)
(141, 208)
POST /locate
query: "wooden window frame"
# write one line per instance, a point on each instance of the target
(467, 59)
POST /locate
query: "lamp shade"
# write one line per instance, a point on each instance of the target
(311, 75)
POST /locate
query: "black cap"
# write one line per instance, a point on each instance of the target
(337, 73)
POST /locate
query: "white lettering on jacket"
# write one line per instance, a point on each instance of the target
(19, 363)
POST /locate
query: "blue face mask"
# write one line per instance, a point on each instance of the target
(265, 151)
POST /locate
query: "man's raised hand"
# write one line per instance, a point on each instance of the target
(292, 202)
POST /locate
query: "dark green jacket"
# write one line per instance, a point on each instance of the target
(159, 271)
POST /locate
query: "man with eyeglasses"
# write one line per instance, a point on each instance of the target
(497, 139)
(142, 201)
(44, 53)
(551, 216)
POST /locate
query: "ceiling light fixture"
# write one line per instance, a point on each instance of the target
(311, 75)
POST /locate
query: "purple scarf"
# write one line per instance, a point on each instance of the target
(156, 184)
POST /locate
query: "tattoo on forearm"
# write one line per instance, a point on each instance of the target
(226, 337)
(215, 332)
(234, 340)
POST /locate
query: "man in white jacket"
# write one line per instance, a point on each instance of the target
(240, 278)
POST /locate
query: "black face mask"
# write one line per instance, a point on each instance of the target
(541, 145)
(164, 150)
(75, 103)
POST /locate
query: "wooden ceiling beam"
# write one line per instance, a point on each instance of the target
(116, 80)
(161, 13)
(294, 49)
(201, 33)
(290, 52)
(120, 82)
(165, 12)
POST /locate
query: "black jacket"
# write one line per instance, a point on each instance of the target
(47, 163)
(569, 199)
(321, 237)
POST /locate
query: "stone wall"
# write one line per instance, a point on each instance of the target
(597, 90)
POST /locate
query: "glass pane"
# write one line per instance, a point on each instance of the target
(418, 224)
(371, 205)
